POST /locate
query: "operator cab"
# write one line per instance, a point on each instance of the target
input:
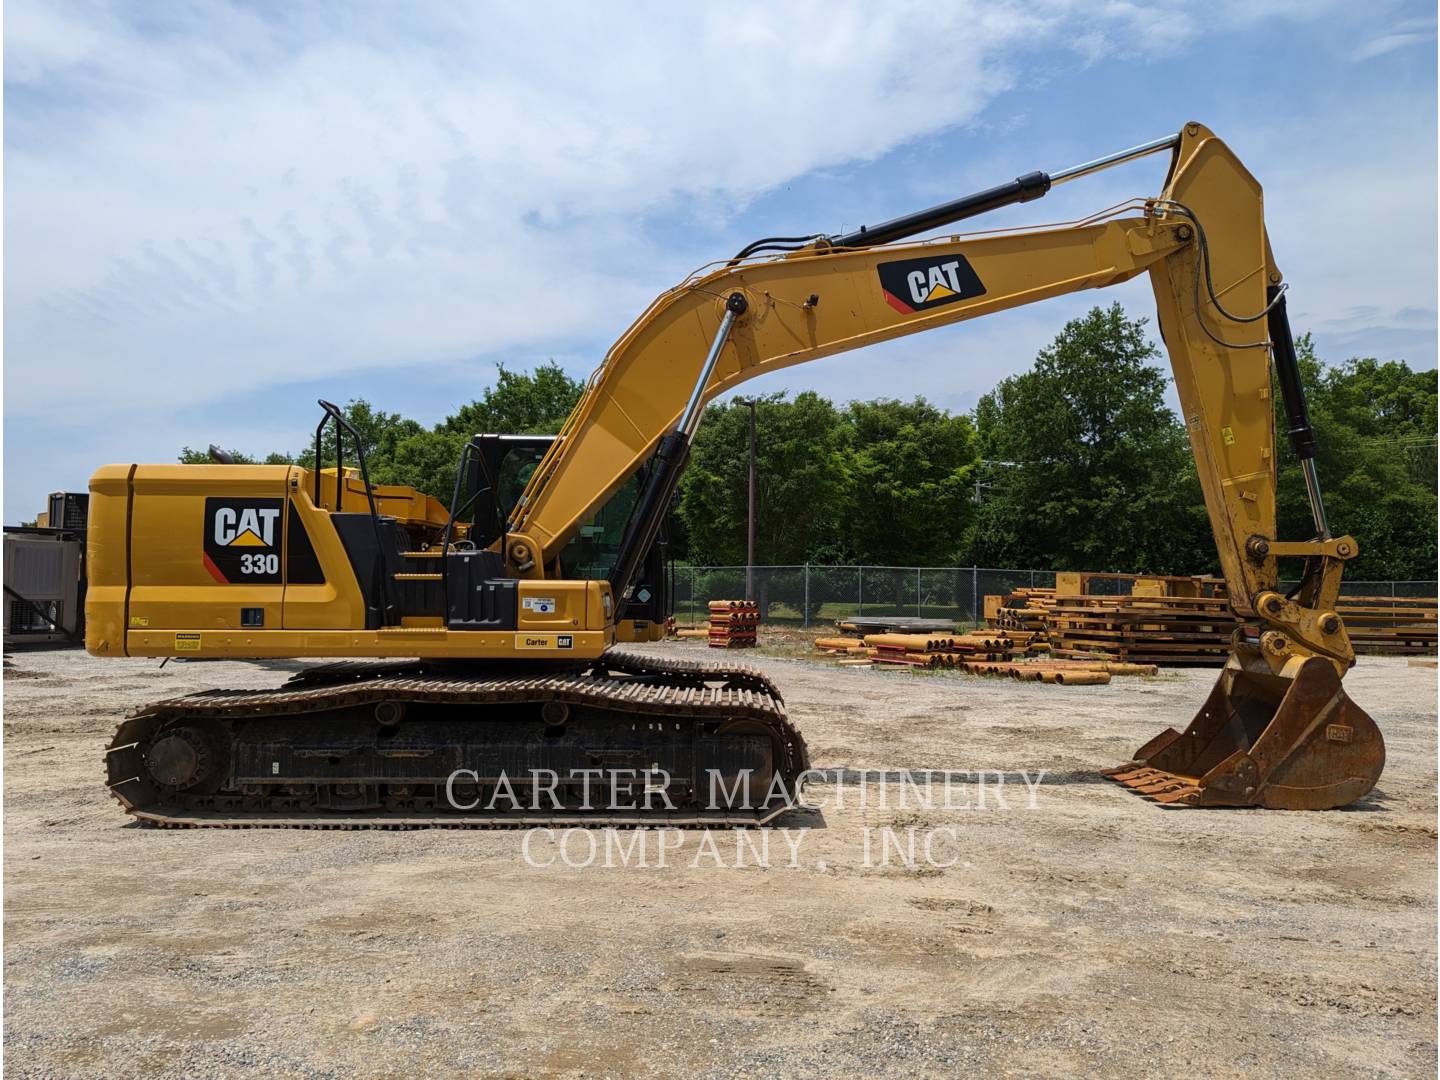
(496, 470)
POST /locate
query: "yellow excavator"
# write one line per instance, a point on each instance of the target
(476, 681)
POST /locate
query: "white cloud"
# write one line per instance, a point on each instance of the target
(1414, 31)
(241, 199)
(201, 195)
(1352, 220)
(202, 199)
(1379, 46)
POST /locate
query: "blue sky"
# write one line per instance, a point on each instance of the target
(215, 214)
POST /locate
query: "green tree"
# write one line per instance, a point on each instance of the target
(426, 460)
(399, 450)
(379, 433)
(801, 481)
(1103, 478)
(189, 456)
(1376, 426)
(519, 404)
(1078, 462)
(910, 467)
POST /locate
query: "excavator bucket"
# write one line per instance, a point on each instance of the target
(1291, 740)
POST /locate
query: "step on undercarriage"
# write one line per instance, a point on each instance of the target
(624, 740)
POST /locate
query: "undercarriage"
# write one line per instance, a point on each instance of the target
(622, 740)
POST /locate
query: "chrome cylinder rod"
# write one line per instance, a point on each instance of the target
(1022, 189)
(666, 465)
(690, 419)
(1303, 439)
(1317, 503)
(1154, 146)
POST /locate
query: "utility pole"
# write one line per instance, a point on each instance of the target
(750, 522)
(991, 461)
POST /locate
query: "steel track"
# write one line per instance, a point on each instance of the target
(639, 686)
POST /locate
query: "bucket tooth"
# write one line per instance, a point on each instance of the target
(1183, 794)
(1126, 772)
(1162, 785)
(1139, 777)
(1287, 740)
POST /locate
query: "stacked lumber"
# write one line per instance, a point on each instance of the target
(1185, 620)
(733, 624)
(1146, 629)
(1394, 625)
(977, 653)
(1156, 620)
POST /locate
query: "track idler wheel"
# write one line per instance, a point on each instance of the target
(1291, 740)
(189, 758)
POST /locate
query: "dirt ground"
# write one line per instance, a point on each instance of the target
(1093, 934)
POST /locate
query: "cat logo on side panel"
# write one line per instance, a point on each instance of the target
(242, 540)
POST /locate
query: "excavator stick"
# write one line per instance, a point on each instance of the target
(1277, 730)
(1286, 740)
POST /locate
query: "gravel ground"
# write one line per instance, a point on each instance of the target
(1090, 934)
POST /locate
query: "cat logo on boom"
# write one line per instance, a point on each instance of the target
(912, 285)
(242, 540)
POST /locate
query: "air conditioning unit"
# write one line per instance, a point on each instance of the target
(44, 586)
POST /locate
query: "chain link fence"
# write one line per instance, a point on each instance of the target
(805, 595)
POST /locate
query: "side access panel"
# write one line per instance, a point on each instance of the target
(206, 547)
(321, 589)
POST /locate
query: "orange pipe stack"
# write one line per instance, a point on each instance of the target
(733, 624)
(937, 651)
(840, 645)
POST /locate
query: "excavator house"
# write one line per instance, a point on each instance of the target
(474, 642)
